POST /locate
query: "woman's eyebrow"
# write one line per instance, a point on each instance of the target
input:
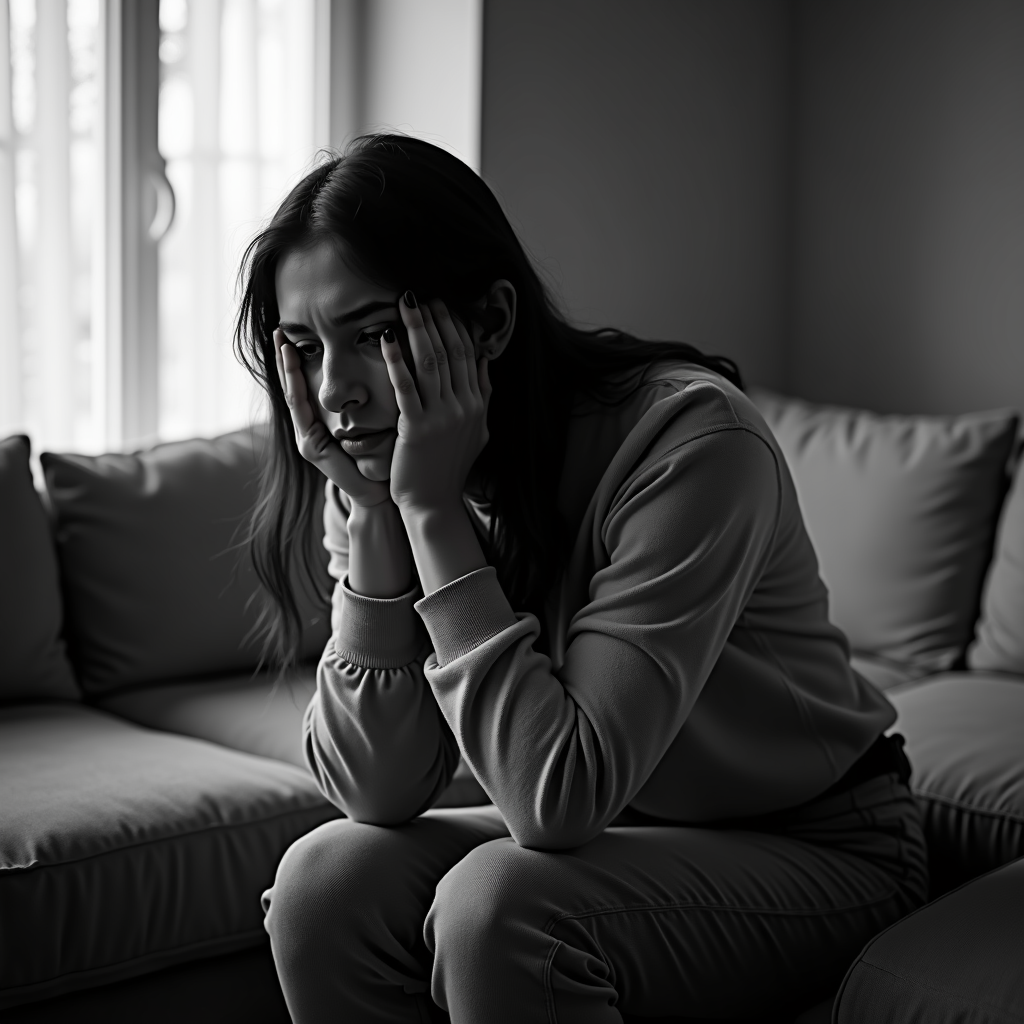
(342, 318)
(364, 310)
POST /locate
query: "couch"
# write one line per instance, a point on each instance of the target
(151, 773)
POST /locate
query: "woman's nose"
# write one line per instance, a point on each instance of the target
(335, 396)
(338, 389)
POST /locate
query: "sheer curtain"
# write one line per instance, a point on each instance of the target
(240, 121)
(48, 196)
(249, 91)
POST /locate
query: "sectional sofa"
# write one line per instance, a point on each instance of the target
(151, 776)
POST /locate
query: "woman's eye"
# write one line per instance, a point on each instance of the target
(372, 336)
(308, 352)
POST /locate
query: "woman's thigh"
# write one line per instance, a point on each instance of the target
(658, 921)
(345, 914)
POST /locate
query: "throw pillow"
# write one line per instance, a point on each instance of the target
(34, 665)
(1000, 643)
(902, 512)
(156, 585)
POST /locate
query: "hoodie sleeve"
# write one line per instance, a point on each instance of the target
(373, 734)
(560, 754)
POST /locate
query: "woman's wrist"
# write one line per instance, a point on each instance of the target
(380, 557)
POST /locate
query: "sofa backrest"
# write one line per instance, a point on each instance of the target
(902, 511)
(155, 585)
(999, 645)
(33, 660)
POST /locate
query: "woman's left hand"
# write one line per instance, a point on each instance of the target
(442, 426)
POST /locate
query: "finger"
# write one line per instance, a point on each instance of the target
(295, 393)
(473, 370)
(462, 357)
(402, 380)
(436, 330)
(484, 376)
(427, 379)
(278, 339)
(455, 348)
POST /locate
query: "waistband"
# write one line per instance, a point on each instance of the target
(884, 757)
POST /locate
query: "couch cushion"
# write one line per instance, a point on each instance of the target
(884, 675)
(902, 511)
(954, 961)
(153, 589)
(34, 665)
(240, 711)
(250, 713)
(1000, 642)
(965, 741)
(124, 850)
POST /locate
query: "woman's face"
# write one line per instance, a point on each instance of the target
(335, 319)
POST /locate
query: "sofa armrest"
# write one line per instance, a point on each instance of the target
(958, 958)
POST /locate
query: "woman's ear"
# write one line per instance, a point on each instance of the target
(494, 319)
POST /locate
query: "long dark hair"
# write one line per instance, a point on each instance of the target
(412, 215)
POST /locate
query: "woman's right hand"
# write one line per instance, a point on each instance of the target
(314, 440)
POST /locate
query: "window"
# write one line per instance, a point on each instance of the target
(49, 185)
(142, 144)
(239, 122)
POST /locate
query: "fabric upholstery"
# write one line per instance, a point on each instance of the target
(965, 741)
(884, 675)
(955, 961)
(34, 665)
(902, 511)
(153, 588)
(249, 713)
(1000, 641)
(240, 711)
(124, 850)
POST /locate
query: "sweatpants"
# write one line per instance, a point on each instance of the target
(446, 917)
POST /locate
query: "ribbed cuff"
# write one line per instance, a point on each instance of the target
(378, 632)
(465, 613)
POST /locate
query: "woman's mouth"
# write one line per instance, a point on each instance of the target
(365, 442)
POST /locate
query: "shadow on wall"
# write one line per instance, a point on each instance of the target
(832, 194)
(909, 269)
(641, 152)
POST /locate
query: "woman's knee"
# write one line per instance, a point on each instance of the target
(489, 932)
(498, 887)
(331, 881)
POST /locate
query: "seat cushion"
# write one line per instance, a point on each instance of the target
(124, 850)
(954, 961)
(250, 713)
(34, 665)
(902, 511)
(965, 741)
(1000, 634)
(884, 675)
(156, 586)
(240, 711)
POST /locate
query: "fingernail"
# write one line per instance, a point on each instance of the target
(410, 299)
(389, 336)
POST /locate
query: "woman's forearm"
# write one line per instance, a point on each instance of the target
(444, 545)
(374, 737)
(380, 559)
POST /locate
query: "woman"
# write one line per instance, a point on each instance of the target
(592, 581)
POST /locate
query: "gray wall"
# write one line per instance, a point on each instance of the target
(641, 151)
(908, 286)
(832, 193)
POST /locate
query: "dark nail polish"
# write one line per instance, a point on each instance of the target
(389, 336)
(410, 299)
